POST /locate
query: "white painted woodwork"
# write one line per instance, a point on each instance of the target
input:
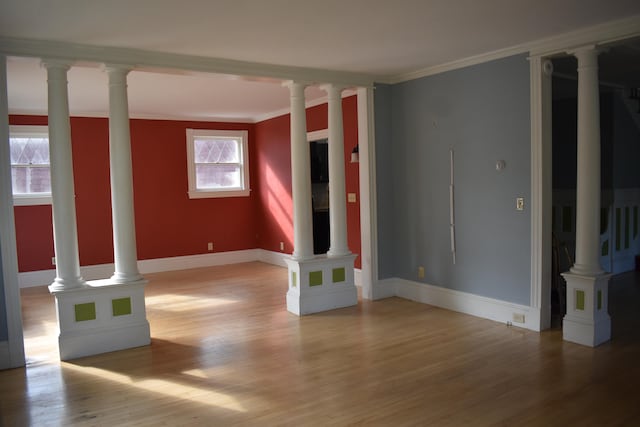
(121, 172)
(588, 181)
(303, 297)
(300, 175)
(337, 193)
(587, 319)
(107, 332)
(62, 187)
(11, 350)
(541, 188)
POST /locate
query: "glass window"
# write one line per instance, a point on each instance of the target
(218, 164)
(30, 167)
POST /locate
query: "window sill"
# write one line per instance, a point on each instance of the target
(201, 194)
(31, 200)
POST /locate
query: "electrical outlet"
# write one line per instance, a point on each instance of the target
(210, 246)
(420, 272)
(53, 260)
(351, 197)
(282, 246)
(518, 317)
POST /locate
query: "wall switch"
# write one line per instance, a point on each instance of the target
(351, 197)
(420, 272)
(282, 246)
(210, 246)
(518, 317)
(53, 260)
(520, 203)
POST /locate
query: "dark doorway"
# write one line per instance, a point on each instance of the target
(320, 195)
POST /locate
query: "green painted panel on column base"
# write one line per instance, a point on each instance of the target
(121, 306)
(338, 275)
(86, 311)
(579, 300)
(599, 300)
(294, 279)
(315, 278)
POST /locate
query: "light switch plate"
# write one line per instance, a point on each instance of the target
(351, 197)
(520, 203)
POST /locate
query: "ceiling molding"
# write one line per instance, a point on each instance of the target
(598, 34)
(156, 61)
(308, 104)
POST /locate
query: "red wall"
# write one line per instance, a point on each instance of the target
(168, 223)
(274, 172)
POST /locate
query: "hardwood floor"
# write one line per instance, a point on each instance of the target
(225, 352)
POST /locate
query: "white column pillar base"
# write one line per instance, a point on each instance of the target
(321, 284)
(587, 321)
(101, 317)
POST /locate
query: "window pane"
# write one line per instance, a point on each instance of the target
(217, 150)
(19, 180)
(40, 180)
(217, 176)
(29, 151)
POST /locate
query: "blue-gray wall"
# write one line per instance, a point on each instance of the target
(4, 332)
(626, 146)
(482, 112)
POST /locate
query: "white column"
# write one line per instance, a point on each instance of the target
(14, 356)
(124, 230)
(300, 175)
(337, 193)
(588, 182)
(587, 320)
(62, 187)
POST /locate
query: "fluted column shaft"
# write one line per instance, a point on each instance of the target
(300, 175)
(337, 194)
(124, 231)
(588, 174)
(62, 187)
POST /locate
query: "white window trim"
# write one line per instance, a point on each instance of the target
(30, 199)
(194, 193)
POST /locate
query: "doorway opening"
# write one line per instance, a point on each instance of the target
(319, 153)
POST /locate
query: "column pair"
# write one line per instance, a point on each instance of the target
(62, 186)
(301, 178)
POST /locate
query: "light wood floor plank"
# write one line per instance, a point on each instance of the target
(226, 352)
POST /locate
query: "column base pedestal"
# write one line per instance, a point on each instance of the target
(101, 317)
(321, 284)
(587, 321)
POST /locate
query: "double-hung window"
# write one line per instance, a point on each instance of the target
(30, 167)
(218, 163)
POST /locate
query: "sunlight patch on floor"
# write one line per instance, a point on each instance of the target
(181, 303)
(167, 388)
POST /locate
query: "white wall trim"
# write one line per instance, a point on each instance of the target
(462, 302)
(308, 104)
(159, 62)
(14, 355)
(100, 271)
(598, 34)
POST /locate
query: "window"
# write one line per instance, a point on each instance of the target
(30, 168)
(218, 163)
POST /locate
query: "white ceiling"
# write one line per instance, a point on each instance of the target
(379, 37)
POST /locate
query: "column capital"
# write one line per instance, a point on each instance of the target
(52, 63)
(587, 55)
(332, 88)
(116, 68)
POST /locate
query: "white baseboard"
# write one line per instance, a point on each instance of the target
(101, 271)
(475, 305)
(385, 288)
(270, 257)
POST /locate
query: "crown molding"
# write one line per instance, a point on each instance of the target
(601, 34)
(312, 103)
(158, 61)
